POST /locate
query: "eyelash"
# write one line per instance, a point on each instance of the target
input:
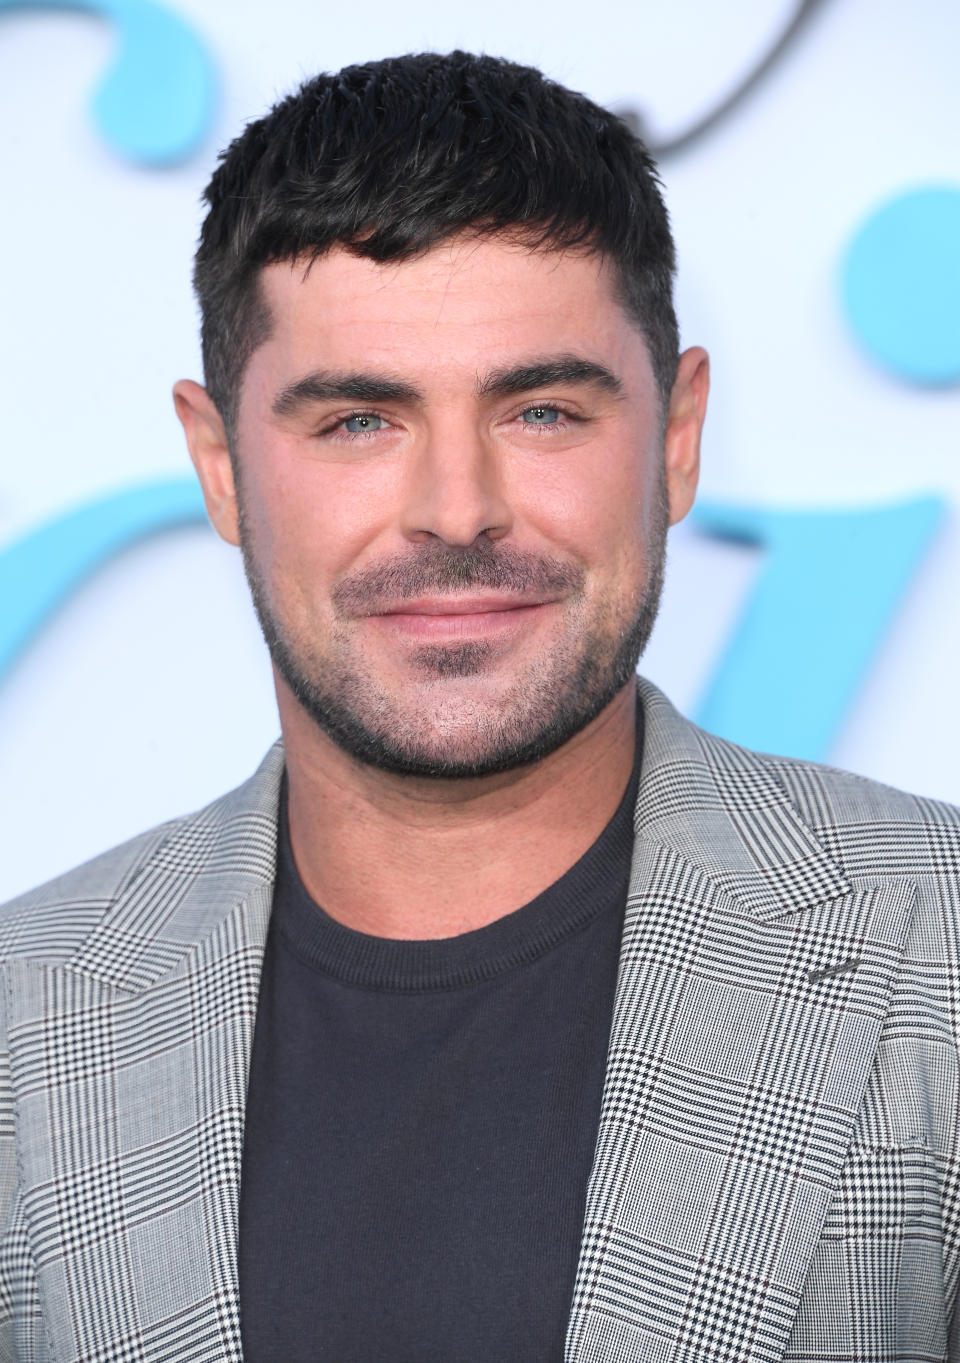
(335, 430)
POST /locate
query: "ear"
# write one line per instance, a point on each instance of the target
(688, 407)
(209, 449)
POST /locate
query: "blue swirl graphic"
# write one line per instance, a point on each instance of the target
(829, 587)
(39, 572)
(156, 99)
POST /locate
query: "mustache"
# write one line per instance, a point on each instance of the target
(438, 568)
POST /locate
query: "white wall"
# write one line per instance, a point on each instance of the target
(150, 693)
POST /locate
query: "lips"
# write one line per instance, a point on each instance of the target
(459, 617)
(463, 605)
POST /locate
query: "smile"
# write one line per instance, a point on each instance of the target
(458, 618)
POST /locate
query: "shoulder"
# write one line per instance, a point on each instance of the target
(823, 790)
(869, 825)
(53, 919)
(696, 785)
(56, 916)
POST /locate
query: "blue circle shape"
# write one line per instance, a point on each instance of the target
(155, 101)
(901, 285)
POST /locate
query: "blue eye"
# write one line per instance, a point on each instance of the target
(541, 416)
(363, 423)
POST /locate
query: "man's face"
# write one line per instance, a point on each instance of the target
(452, 500)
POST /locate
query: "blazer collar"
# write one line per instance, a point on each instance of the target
(210, 863)
(709, 801)
(719, 808)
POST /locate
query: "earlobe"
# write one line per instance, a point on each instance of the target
(210, 451)
(688, 408)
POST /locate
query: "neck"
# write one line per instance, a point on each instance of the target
(403, 857)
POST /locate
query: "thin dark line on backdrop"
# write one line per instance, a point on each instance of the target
(635, 120)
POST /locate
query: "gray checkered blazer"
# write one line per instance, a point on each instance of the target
(776, 1172)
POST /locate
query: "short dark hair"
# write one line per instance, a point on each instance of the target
(392, 156)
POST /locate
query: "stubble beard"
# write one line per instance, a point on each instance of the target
(554, 698)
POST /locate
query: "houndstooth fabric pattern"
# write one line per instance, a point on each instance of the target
(776, 1174)
(130, 998)
(776, 1170)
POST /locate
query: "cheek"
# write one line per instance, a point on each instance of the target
(598, 505)
(309, 522)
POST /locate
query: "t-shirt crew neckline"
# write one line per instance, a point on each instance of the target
(363, 961)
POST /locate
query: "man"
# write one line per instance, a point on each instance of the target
(502, 1014)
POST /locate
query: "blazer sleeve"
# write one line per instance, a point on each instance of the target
(23, 1336)
(8, 1193)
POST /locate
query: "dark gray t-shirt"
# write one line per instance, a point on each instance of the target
(421, 1121)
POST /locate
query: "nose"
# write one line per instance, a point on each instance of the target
(455, 491)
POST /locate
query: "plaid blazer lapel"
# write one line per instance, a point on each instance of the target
(753, 984)
(129, 1067)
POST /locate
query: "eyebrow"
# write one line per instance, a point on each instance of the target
(541, 373)
(327, 386)
(322, 386)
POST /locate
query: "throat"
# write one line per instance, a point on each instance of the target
(380, 861)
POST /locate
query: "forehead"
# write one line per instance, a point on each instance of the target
(465, 306)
